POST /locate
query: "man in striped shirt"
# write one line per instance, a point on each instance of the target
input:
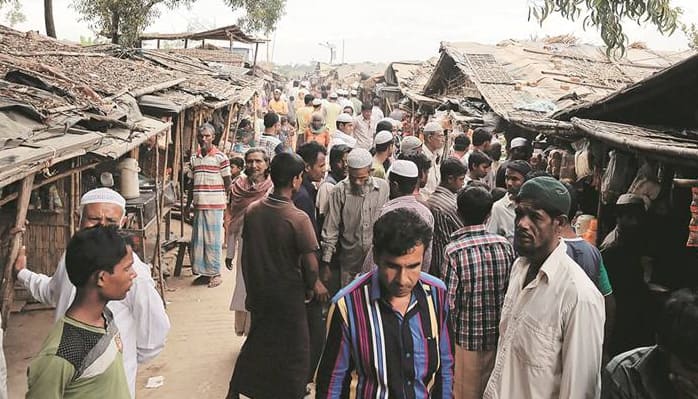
(210, 170)
(442, 204)
(387, 331)
(476, 269)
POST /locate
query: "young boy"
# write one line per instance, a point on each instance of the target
(81, 357)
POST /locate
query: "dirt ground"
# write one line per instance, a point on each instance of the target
(197, 361)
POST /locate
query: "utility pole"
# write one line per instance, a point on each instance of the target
(342, 51)
(332, 48)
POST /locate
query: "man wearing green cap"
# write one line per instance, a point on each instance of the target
(551, 328)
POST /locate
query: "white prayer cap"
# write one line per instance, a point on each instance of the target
(359, 158)
(404, 168)
(277, 91)
(103, 195)
(433, 127)
(333, 95)
(410, 143)
(317, 102)
(634, 199)
(383, 137)
(519, 142)
(344, 118)
(342, 92)
(353, 92)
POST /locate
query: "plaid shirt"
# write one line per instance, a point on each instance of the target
(476, 269)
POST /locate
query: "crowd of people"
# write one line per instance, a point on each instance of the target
(374, 262)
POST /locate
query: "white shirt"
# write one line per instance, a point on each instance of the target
(339, 137)
(140, 317)
(434, 173)
(551, 334)
(502, 218)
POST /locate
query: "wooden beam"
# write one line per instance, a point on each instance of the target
(8, 281)
(226, 131)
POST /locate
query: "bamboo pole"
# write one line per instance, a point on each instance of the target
(156, 260)
(229, 119)
(181, 178)
(8, 289)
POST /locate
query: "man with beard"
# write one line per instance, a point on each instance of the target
(355, 204)
(250, 187)
(501, 221)
(551, 329)
(317, 131)
(210, 173)
(279, 270)
(434, 140)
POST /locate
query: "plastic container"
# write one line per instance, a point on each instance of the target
(129, 169)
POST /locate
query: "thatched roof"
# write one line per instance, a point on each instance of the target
(523, 79)
(220, 56)
(667, 98)
(230, 32)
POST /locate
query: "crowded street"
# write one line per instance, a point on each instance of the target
(217, 212)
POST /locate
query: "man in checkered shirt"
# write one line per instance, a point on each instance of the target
(476, 270)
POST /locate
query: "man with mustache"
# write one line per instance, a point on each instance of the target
(355, 204)
(551, 329)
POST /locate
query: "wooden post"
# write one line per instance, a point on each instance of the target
(226, 131)
(157, 256)
(8, 282)
(186, 43)
(254, 63)
(158, 44)
(181, 178)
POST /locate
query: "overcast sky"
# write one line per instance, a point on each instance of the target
(371, 30)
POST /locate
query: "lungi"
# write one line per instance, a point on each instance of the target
(207, 242)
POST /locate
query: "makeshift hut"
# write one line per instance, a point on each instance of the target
(67, 116)
(404, 86)
(524, 82)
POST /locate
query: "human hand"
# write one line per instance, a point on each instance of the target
(21, 261)
(321, 293)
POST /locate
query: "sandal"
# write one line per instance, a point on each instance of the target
(215, 281)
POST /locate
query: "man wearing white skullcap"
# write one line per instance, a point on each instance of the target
(140, 317)
(344, 133)
(434, 140)
(383, 144)
(355, 205)
(403, 178)
(410, 144)
(355, 102)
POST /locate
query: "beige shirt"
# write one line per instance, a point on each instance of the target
(363, 132)
(551, 334)
(502, 218)
(349, 222)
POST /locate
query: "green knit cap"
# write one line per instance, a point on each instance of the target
(547, 193)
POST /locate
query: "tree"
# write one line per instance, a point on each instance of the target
(607, 16)
(122, 20)
(260, 15)
(14, 15)
(691, 32)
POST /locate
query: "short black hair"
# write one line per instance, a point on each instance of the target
(420, 159)
(296, 83)
(237, 161)
(284, 167)
(498, 193)
(678, 325)
(461, 142)
(398, 231)
(310, 151)
(308, 99)
(383, 147)
(337, 152)
(376, 102)
(244, 123)
(474, 204)
(481, 136)
(366, 107)
(536, 173)
(452, 167)
(405, 185)
(495, 151)
(91, 250)
(477, 158)
(384, 125)
(270, 119)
